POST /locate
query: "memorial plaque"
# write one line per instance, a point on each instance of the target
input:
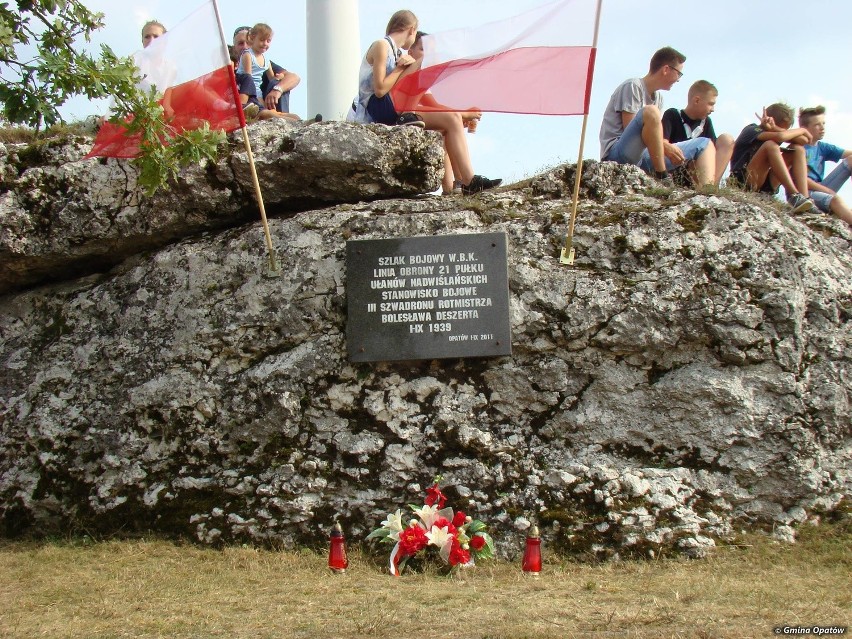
(428, 297)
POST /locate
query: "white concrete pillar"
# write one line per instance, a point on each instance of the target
(334, 56)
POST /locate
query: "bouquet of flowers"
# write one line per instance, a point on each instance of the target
(455, 537)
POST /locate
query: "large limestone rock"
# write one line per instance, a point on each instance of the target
(689, 374)
(64, 216)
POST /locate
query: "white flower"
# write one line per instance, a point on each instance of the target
(428, 515)
(394, 524)
(439, 537)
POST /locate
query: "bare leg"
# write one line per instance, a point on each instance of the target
(798, 166)
(839, 208)
(448, 181)
(705, 166)
(652, 136)
(769, 158)
(724, 151)
(455, 143)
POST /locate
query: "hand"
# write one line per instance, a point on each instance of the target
(766, 121)
(673, 153)
(271, 99)
(405, 60)
(472, 114)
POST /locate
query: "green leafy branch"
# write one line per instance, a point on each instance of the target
(33, 86)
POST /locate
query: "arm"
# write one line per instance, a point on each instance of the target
(168, 111)
(286, 81)
(382, 81)
(673, 152)
(779, 135)
(245, 62)
(816, 186)
(626, 118)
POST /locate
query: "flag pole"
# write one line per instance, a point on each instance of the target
(567, 255)
(273, 262)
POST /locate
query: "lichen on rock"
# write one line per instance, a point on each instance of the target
(689, 375)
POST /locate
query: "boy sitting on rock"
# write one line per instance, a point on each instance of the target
(680, 125)
(761, 164)
(823, 191)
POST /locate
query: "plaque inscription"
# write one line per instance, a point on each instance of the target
(428, 297)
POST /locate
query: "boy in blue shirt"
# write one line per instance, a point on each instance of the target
(823, 191)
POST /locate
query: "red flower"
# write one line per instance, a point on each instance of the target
(458, 519)
(433, 495)
(458, 555)
(440, 522)
(412, 540)
(477, 542)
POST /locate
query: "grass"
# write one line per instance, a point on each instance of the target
(158, 588)
(14, 134)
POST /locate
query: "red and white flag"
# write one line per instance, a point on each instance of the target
(190, 66)
(540, 62)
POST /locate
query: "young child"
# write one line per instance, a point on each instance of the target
(760, 164)
(694, 122)
(276, 92)
(253, 63)
(252, 106)
(823, 191)
(632, 131)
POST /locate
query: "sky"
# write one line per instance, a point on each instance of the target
(755, 52)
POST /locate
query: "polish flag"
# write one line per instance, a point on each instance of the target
(190, 66)
(540, 62)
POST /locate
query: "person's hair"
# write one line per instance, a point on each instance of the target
(400, 21)
(238, 29)
(419, 37)
(234, 54)
(780, 112)
(260, 30)
(153, 23)
(702, 87)
(666, 56)
(807, 113)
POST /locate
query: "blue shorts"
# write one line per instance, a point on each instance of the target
(834, 180)
(630, 149)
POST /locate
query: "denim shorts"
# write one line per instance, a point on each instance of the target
(834, 180)
(691, 149)
(630, 149)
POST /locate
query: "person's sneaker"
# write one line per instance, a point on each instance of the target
(799, 203)
(318, 117)
(664, 178)
(478, 184)
(411, 119)
(251, 111)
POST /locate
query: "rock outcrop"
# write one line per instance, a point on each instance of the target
(64, 216)
(689, 375)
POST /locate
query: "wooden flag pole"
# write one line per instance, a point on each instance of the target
(567, 255)
(273, 262)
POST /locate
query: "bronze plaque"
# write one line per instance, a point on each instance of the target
(428, 297)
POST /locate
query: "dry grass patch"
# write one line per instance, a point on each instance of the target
(162, 589)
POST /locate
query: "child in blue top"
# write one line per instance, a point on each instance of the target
(253, 63)
(823, 191)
